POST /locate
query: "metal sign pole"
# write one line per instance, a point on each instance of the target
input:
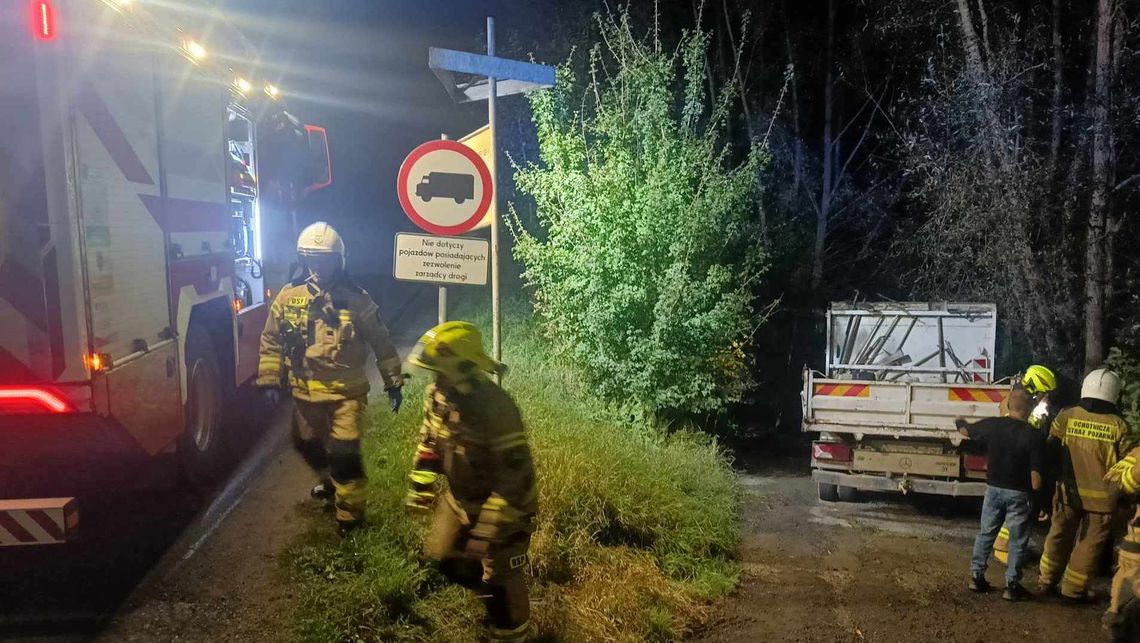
(442, 316)
(496, 346)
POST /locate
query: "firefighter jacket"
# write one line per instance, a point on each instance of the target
(475, 437)
(321, 339)
(1093, 443)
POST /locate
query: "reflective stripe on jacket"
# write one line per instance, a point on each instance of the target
(321, 339)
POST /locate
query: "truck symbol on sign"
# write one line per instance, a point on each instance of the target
(447, 185)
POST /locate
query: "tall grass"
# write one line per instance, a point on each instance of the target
(637, 527)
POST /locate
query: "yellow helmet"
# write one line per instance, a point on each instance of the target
(1037, 380)
(455, 349)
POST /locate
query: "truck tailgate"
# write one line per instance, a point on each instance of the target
(900, 409)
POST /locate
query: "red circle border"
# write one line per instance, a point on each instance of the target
(484, 176)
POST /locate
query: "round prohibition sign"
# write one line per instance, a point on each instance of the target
(445, 187)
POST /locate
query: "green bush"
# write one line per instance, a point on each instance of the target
(1127, 365)
(646, 249)
(637, 526)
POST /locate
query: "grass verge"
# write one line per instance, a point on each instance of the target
(638, 528)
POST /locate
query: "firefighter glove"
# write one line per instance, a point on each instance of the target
(395, 398)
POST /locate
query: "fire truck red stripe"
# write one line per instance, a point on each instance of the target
(111, 135)
(825, 389)
(46, 523)
(9, 524)
(855, 391)
(995, 395)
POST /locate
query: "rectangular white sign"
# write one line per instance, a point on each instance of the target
(442, 260)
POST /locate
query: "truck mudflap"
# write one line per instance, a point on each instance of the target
(38, 521)
(900, 484)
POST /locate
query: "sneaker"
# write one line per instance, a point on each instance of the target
(323, 491)
(979, 584)
(1015, 592)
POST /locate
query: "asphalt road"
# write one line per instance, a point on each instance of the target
(68, 593)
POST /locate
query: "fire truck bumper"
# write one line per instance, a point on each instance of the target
(50, 464)
(38, 521)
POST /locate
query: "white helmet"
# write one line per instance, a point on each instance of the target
(1102, 384)
(320, 239)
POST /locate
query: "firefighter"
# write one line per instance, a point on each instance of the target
(1094, 437)
(473, 435)
(1039, 382)
(1124, 609)
(316, 340)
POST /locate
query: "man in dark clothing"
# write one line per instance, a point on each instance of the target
(1015, 454)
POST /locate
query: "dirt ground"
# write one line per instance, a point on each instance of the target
(879, 571)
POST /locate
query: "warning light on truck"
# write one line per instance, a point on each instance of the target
(43, 20)
(98, 362)
(31, 400)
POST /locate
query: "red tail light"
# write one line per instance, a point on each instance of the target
(831, 451)
(43, 20)
(26, 400)
(975, 462)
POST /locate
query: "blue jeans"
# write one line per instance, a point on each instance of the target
(1012, 508)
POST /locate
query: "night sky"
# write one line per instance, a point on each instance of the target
(359, 68)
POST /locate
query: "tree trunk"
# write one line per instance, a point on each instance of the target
(798, 141)
(828, 156)
(1058, 81)
(976, 68)
(1114, 222)
(1098, 206)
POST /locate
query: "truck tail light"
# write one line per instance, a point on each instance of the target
(831, 451)
(975, 462)
(31, 400)
(43, 20)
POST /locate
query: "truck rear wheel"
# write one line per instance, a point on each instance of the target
(828, 492)
(849, 494)
(200, 447)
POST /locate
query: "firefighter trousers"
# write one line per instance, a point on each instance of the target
(1001, 545)
(1073, 546)
(499, 574)
(1126, 577)
(327, 435)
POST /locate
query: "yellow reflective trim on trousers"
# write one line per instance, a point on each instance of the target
(1046, 565)
(496, 503)
(1092, 494)
(1075, 577)
(1004, 532)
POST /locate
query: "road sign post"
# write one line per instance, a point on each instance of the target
(516, 77)
(496, 319)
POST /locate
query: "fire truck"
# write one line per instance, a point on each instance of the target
(149, 182)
